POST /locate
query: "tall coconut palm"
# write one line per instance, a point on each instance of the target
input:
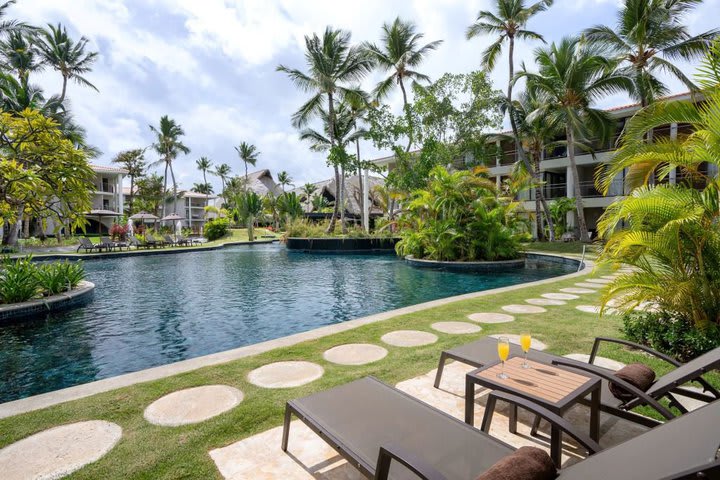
(308, 189)
(332, 63)
(509, 23)
(223, 171)
(204, 164)
(66, 56)
(284, 180)
(249, 154)
(8, 26)
(134, 162)
(571, 75)
(168, 146)
(647, 37)
(359, 106)
(535, 133)
(400, 53)
(19, 54)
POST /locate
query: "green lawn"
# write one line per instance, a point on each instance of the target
(152, 452)
(573, 248)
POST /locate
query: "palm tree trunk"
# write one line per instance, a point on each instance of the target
(250, 225)
(543, 200)
(360, 184)
(132, 193)
(331, 128)
(576, 187)
(247, 179)
(172, 174)
(343, 226)
(64, 88)
(407, 115)
(164, 192)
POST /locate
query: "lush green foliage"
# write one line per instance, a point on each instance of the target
(559, 208)
(307, 229)
(459, 217)
(21, 279)
(216, 228)
(249, 207)
(670, 334)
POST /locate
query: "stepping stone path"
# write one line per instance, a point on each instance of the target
(595, 309)
(599, 281)
(409, 338)
(285, 374)
(59, 451)
(523, 309)
(610, 277)
(544, 301)
(355, 354)
(455, 327)
(192, 405)
(588, 285)
(559, 296)
(491, 317)
(536, 344)
(577, 290)
(604, 362)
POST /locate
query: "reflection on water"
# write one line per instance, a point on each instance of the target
(150, 311)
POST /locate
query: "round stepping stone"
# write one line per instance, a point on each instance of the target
(523, 309)
(491, 317)
(577, 290)
(588, 285)
(409, 338)
(604, 362)
(610, 277)
(355, 354)
(536, 344)
(455, 327)
(192, 405)
(595, 309)
(285, 374)
(599, 281)
(544, 301)
(59, 451)
(559, 296)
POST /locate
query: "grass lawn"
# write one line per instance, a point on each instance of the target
(152, 452)
(592, 250)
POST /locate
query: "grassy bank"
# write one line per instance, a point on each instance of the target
(148, 451)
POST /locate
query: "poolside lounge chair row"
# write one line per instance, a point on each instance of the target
(387, 434)
(150, 241)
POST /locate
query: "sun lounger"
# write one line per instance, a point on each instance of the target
(87, 245)
(387, 434)
(135, 242)
(484, 352)
(169, 241)
(150, 240)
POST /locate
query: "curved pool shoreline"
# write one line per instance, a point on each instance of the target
(48, 399)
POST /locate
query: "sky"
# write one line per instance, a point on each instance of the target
(211, 66)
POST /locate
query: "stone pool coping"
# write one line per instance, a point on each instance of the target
(485, 266)
(44, 400)
(54, 303)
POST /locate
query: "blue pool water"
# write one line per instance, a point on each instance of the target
(154, 310)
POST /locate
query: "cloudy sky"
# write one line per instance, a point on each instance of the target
(210, 65)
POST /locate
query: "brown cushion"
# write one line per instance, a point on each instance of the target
(636, 374)
(525, 463)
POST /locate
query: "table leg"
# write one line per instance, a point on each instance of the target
(513, 418)
(556, 445)
(489, 411)
(469, 400)
(595, 414)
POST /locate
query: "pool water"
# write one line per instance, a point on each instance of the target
(153, 310)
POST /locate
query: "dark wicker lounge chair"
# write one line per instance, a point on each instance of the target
(152, 242)
(135, 242)
(87, 245)
(167, 239)
(484, 351)
(387, 434)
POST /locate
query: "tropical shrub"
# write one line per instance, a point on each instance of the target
(22, 280)
(458, 217)
(670, 334)
(216, 228)
(303, 228)
(249, 207)
(290, 206)
(57, 277)
(119, 232)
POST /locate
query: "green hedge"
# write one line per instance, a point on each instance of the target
(22, 280)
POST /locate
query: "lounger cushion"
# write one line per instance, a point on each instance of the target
(636, 374)
(526, 463)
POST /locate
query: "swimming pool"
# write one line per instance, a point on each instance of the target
(153, 310)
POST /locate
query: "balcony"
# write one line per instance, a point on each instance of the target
(587, 190)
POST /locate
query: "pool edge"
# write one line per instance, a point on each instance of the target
(44, 400)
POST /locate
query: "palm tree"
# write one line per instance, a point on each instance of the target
(222, 171)
(571, 75)
(270, 207)
(134, 162)
(168, 146)
(249, 207)
(284, 179)
(332, 63)
(647, 37)
(359, 107)
(8, 26)
(249, 155)
(507, 24)
(400, 53)
(308, 189)
(535, 133)
(289, 205)
(204, 164)
(204, 188)
(19, 54)
(66, 56)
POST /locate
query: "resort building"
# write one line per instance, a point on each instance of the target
(191, 206)
(262, 183)
(353, 195)
(556, 170)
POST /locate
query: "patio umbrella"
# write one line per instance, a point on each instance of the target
(143, 216)
(100, 213)
(172, 216)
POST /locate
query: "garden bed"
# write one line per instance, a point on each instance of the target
(343, 245)
(498, 266)
(76, 297)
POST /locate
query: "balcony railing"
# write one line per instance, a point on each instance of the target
(587, 190)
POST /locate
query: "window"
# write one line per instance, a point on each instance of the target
(106, 204)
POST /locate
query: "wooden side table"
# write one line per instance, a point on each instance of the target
(553, 388)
